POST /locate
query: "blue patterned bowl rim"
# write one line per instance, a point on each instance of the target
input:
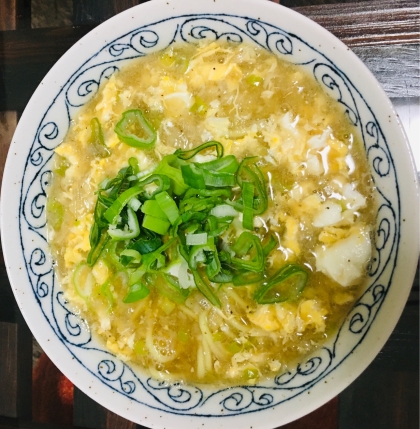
(63, 334)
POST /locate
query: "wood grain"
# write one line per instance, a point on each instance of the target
(114, 421)
(93, 12)
(389, 387)
(369, 23)
(8, 122)
(27, 55)
(25, 58)
(15, 370)
(15, 14)
(396, 67)
(325, 417)
(7, 15)
(87, 413)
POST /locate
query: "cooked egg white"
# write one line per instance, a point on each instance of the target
(321, 205)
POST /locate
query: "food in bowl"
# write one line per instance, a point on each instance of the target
(211, 214)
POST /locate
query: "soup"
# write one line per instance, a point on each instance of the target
(211, 214)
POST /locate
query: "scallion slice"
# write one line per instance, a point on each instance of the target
(196, 239)
(218, 179)
(96, 141)
(248, 200)
(188, 154)
(193, 176)
(155, 224)
(286, 285)
(205, 289)
(136, 292)
(134, 129)
(227, 164)
(152, 208)
(169, 286)
(249, 253)
(131, 230)
(223, 210)
(168, 206)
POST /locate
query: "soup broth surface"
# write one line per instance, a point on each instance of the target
(321, 205)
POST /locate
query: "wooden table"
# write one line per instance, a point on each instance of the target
(385, 35)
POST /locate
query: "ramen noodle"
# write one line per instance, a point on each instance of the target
(211, 214)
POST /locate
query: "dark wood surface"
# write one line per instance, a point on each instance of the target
(385, 35)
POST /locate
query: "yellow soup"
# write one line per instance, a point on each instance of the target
(291, 230)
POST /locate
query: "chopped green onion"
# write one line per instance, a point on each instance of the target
(134, 204)
(161, 182)
(144, 246)
(226, 193)
(97, 146)
(196, 239)
(133, 129)
(223, 210)
(227, 164)
(205, 289)
(245, 278)
(270, 245)
(113, 212)
(107, 293)
(235, 347)
(193, 176)
(83, 280)
(248, 171)
(224, 276)
(218, 179)
(155, 224)
(136, 292)
(97, 244)
(187, 217)
(254, 80)
(169, 167)
(134, 164)
(152, 207)
(213, 265)
(168, 206)
(287, 284)
(250, 374)
(188, 154)
(183, 336)
(248, 200)
(248, 248)
(61, 165)
(131, 230)
(55, 213)
(198, 204)
(199, 106)
(170, 288)
(197, 253)
(130, 256)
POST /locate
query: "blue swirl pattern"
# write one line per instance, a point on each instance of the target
(72, 330)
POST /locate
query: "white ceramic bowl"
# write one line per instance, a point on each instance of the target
(73, 81)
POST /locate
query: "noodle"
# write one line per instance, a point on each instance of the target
(211, 214)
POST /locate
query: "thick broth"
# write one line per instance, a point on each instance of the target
(320, 196)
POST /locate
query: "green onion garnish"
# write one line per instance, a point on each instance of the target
(286, 284)
(134, 130)
(173, 228)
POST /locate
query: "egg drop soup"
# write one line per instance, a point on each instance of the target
(211, 214)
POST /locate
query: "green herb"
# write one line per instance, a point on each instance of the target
(133, 129)
(286, 284)
(150, 224)
(97, 146)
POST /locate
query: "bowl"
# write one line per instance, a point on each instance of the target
(73, 81)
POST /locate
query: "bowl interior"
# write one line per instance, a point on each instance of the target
(63, 334)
